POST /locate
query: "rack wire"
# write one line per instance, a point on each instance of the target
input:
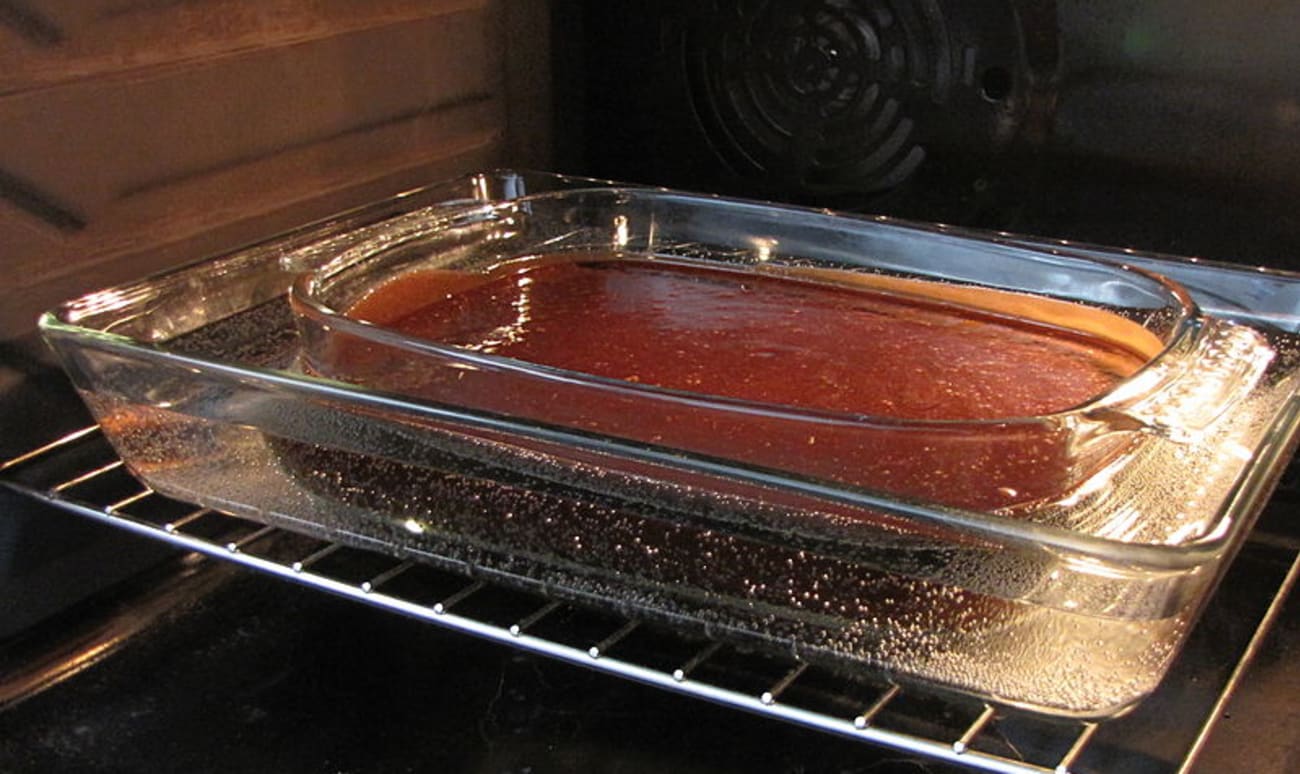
(79, 473)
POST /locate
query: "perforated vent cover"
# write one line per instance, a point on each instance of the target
(834, 96)
(822, 101)
(820, 94)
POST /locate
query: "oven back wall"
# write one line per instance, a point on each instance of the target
(1167, 125)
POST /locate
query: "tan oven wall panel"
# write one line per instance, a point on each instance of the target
(28, 247)
(84, 145)
(247, 204)
(191, 206)
(47, 42)
(107, 176)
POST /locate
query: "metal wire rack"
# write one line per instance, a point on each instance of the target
(79, 473)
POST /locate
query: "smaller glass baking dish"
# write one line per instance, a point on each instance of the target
(1070, 597)
(640, 247)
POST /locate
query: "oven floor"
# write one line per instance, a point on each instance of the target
(262, 675)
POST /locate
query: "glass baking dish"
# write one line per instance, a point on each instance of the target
(1062, 580)
(704, 251)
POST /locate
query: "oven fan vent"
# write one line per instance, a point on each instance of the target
(818, 94)
(829, 97)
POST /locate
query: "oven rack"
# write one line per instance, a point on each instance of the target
(971, 734)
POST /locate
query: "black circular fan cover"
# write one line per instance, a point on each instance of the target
(834, 96)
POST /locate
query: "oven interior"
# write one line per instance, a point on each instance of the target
(141, 135)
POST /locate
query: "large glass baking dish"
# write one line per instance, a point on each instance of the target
(1070, 600)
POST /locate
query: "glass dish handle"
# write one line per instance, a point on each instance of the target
(1182, 395)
